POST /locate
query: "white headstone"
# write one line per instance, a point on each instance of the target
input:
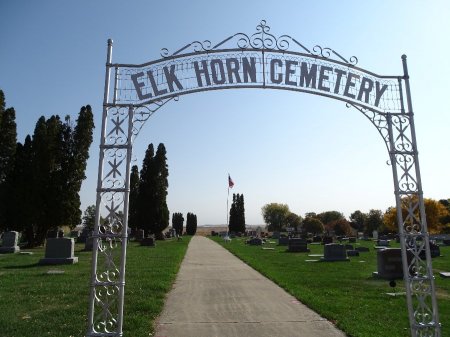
(9, 242)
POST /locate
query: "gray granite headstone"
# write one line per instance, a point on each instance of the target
(383, 243)
(296, 245)
(59, 251)
(334, 252)
(150, 242)
(352, 239)
(283, 241)
(254, 241)
(389, 264)
(9, 242)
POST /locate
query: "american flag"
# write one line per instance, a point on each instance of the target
(230, 182)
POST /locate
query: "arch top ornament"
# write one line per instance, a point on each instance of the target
(263, 40)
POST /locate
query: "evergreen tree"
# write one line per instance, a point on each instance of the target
(240, 225)
(177, 223)
(133, 197)
(232, 223)
(237, 214)
(147, 187)
(18, 206)
(74, 172)
(161, 219)
(191, 224)
(8, 144)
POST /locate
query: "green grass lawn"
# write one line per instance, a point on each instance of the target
(344, 292)
(34, 303)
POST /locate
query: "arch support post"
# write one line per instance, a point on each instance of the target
(411, 218)
(110, 233)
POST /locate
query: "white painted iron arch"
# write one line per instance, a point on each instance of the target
(264, 61)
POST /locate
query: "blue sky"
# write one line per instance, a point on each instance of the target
(309, 152)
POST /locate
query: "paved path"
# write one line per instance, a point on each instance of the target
(217, 295)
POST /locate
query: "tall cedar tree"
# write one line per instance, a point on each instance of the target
(8, 145)
(177, 223)
(153, 213)
(59, 157)
(147, 187)
(233, 216)
(191, 224)
(19, 204)
(162, 215)
(133, 198)
(237, 214)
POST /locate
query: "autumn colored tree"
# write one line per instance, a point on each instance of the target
(434, 210)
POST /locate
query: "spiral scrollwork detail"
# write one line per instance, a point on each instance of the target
(262, 39)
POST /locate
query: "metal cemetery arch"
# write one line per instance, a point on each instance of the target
(260, 60)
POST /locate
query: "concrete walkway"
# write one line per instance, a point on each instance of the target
(217, 295)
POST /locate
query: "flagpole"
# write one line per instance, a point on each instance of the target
(228, 197)
(230, 184)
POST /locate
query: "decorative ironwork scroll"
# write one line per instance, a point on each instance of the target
(259, 60)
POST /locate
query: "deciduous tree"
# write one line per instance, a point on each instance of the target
(275, 216)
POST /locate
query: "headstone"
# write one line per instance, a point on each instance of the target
(446, 242)
(435, 251)
(297, 246)
(59, 251)
(9, 242)
(283, 241)
(445, 274)
(334, 252)
(348, 247)
(254, 242)
(389, 264)
(139, 234)
(352, 239)
(383, 243)
(327, 240)
(375, 235)
(352, 252)
(150, 242)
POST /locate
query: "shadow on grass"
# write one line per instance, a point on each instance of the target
(23, 266)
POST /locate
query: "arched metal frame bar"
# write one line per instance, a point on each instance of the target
(121, 123)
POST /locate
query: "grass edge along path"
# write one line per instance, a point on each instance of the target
(343, 292)
(35, 303)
